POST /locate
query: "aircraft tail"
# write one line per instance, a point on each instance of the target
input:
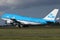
(52, 15)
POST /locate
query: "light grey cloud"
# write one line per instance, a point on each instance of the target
(18, 5)
(27, 2)
(12, 4)
(15, 2)
(7, 2)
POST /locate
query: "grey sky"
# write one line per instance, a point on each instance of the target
(32, 8)
(21, 4)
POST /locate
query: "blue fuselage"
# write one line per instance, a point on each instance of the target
(25, 18)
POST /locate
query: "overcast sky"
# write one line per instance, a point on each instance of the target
(28, 7)
(31, 8)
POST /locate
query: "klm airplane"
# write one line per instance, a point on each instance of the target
(21, 21)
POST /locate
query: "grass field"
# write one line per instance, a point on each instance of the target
(30, 34)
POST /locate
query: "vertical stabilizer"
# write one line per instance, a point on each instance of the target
(52, 15)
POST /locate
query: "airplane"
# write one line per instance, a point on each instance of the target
(22, 21)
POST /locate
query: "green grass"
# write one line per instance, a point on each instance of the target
(30, 34)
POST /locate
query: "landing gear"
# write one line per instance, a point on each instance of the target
(16, 26)
(20, 26)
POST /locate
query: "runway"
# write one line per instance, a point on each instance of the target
(29, 35)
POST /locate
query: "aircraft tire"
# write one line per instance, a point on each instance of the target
(20, 26)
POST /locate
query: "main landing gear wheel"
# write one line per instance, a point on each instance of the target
(20, 26)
